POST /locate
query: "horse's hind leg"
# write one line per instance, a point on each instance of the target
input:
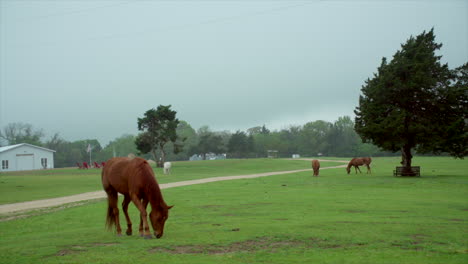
(125, 209)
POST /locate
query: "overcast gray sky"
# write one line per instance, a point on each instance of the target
(89, 69)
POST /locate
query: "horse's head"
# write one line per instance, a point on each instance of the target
(348, 169)
(158, 219)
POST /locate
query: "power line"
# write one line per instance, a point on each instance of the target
(153, 30)
(69, 12)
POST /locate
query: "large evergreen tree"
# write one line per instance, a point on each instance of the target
(159, 127)
(413, 103)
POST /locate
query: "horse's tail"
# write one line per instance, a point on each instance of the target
(110, 219)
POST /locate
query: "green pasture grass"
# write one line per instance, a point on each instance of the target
(291, 218)
(43, 184)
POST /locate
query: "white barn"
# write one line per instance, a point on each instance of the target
(25, 157)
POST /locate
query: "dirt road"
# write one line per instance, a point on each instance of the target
(38, 204)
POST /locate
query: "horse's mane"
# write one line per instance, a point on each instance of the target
(151, 186)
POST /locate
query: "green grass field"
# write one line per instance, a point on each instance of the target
(293, 218)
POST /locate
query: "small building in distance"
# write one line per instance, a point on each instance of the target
(25, 157)
(272, 154)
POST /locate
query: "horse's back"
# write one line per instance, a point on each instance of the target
(367, 160)
(358, 161)
(116, 173)
(315, 164)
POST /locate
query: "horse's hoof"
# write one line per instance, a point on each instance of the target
(129, 233)
(148, 236)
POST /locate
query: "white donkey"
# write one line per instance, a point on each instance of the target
(167, 167)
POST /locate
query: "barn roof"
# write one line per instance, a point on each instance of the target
(7, 148)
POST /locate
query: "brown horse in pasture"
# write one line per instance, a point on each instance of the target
(316, 167)
(134, 178)
(356, 162)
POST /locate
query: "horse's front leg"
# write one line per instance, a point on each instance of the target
(145, 204)
(357, 168)
(125, 203)
(141, 205)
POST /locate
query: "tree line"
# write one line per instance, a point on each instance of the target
(311, 139)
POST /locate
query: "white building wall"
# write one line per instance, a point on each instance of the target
(26, 157)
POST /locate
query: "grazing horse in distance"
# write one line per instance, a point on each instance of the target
(316, 167)
(167, 167)
(356, 162)
(134, 178)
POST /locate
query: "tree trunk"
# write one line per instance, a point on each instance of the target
(163, 156)
(155, 157)
(406, 158)
(153, 153)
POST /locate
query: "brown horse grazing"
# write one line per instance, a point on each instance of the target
(134, 178)
(356, 162)
(316, 167)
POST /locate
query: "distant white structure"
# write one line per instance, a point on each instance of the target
(209, 156)
(26, 157)
(272, 154)
(167, 167)
(213, 156)
(296, 156)
(196, 157)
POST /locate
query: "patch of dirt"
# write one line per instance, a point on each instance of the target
(70, 251)
(211, 206)
(355, 211)
(104, 244)
(417, 239)
(245, 246)
(76, 249)
(414, 244)
(64, 252)
(255, 204)
(409, 247)
(260, 244)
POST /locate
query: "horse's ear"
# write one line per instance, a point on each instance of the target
(169, 207)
